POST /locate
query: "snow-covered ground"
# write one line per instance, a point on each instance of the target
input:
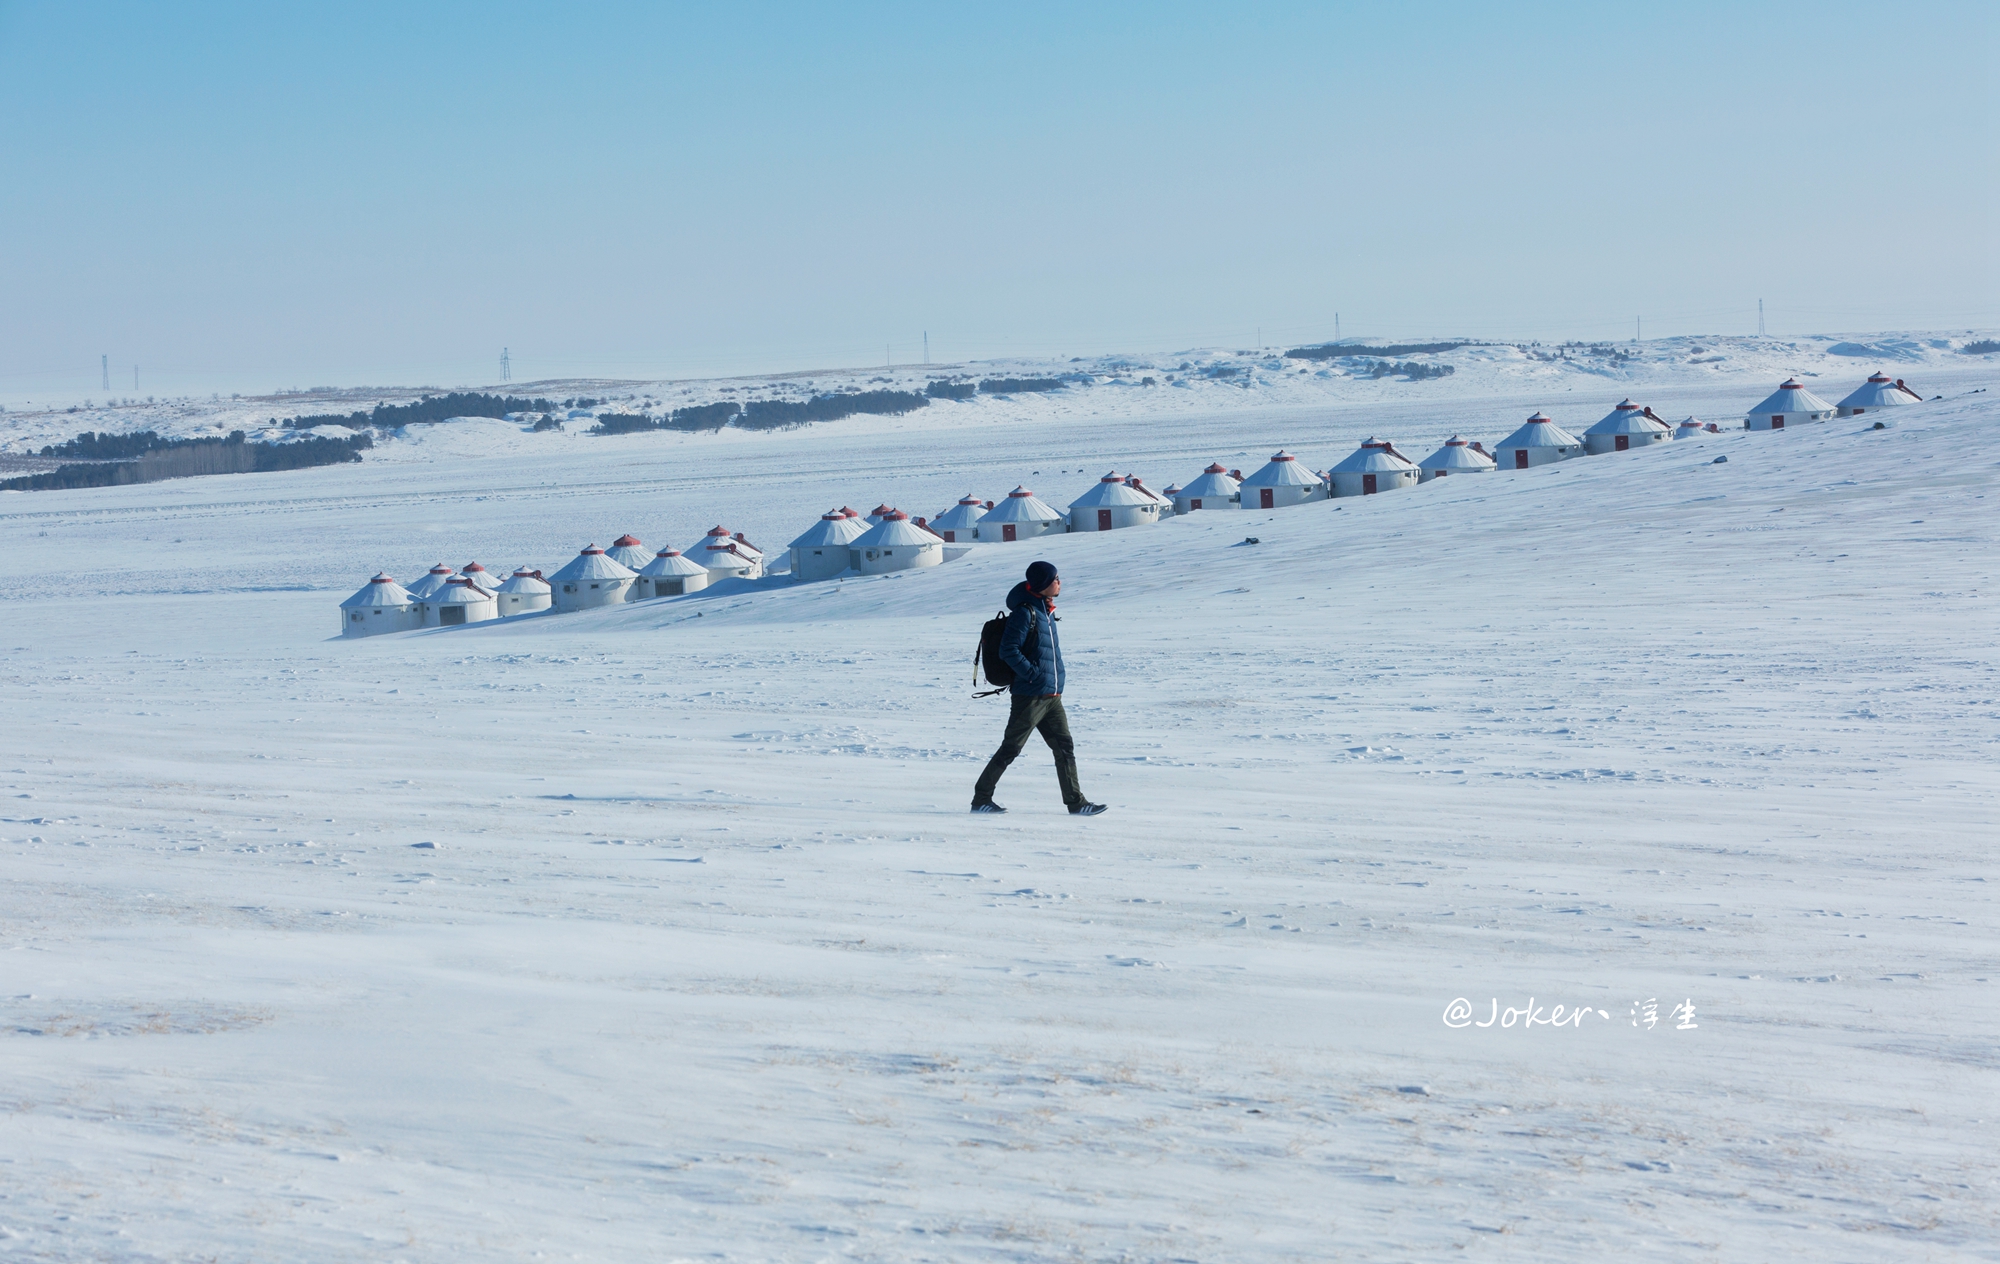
(662, 932)
(1734, 371)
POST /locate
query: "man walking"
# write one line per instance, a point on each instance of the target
(1030, 646)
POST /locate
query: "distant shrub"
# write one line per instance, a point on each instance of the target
(1985, 346)
(1340, 350)
(1019, 385)
(701, 416)
(1411, 369)
(442, 408)
(952, 390)
(547, 421)
(777, 414)
(622, 423)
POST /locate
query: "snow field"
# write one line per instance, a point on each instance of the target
(707, 960)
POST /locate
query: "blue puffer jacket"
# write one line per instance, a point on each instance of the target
(1030, 646)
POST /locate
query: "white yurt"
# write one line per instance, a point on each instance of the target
(1282, 482)
(629, 553)
(1879, 391)
(1692, 428)
(878, 513)
(894, 544)
(1539, 441)
(431, 584)
(961, 521)
(671, 575)
(1790, 404)
(1456, 456)
(481, 576)
(524, 592)
(1625, 427)
(821, 553)
(382, 605)
(591, 579)
(462, 602)
(1213, 488)
(729, 557)
(1375, 466)
(1021, 516)
(1110, 505)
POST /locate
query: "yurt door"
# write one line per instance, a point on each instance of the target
(1195, 503)
(1006, 531)
(450, 616)
(1264, 497)
(1621, 443)
(1778, 423)
(1520, 458)
(1367, 484)
(1104, 520)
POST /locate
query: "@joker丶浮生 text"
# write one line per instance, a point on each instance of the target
(1646, 1014)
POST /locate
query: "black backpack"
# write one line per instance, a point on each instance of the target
(997, 671)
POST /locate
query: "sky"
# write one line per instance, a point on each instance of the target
(257, 197)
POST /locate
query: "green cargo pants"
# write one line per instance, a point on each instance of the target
(1027, 716)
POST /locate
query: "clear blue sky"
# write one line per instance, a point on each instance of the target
(256, 196)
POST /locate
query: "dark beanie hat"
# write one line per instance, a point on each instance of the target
(1040, 575)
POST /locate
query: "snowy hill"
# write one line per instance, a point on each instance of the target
(663, 930)
(1199, 381)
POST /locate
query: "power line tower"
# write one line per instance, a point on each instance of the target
(506, 366)
(104, 363)
(927, 346)
(1760, 318)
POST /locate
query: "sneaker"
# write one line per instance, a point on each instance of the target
(1088, 809)
(988, 806)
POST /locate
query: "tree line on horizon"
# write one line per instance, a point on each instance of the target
(764, 414)
(428, 409)
(1345, 350)
(143, 456)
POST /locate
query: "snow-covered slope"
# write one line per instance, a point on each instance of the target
(663, 932)
(1732, 371)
